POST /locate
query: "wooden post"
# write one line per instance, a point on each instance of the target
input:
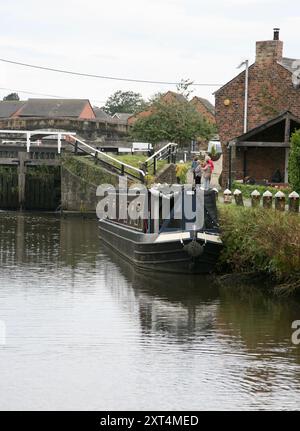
(287, 130)
(122, 170)
(154, 165)
(22, 178)
(294, 202)
(267, 200)
(255, 199)
(238, 197)
(169, 154)
(217, 193)
(280, 201)
(227, 196)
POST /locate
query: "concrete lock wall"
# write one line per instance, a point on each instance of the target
(76, 193)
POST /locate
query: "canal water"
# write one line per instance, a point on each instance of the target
(80, 329)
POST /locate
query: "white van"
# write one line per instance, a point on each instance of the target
(141, 146)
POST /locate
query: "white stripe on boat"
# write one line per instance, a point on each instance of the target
(178, 236)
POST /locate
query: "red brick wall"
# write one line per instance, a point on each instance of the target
(87, 113)
(261, 163)
(201, 108)
(271, 92)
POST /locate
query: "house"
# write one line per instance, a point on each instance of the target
(205, 108)
(9, 107)
(80, 109)
(121, 117)
(255, 141)
(101, 115)
(168, 97)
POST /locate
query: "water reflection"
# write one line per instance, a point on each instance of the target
(132, 339)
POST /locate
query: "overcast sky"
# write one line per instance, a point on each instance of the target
(160, 40)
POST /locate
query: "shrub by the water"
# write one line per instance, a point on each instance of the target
(294, 162)
(259, 240)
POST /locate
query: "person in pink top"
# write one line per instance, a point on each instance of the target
(206, 173)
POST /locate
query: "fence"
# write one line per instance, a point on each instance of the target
(266, 200)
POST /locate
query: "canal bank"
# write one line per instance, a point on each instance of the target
(265, 241)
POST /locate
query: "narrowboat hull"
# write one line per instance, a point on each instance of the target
(173, 252)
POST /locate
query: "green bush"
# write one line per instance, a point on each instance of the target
(181, 172)
(294, 162)
(248, 189)
(259, 240)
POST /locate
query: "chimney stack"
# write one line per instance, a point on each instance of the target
(269, 51)
(276, 33)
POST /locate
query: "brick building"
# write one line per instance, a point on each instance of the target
(80, 109)
(203, 106)
(273, 114)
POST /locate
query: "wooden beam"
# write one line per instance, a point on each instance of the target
(9, 161)
(43, 162)
(262, 144)
(287, 129)
(30, 162)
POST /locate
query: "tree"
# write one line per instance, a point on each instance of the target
(126, 102)
(176, 121)
(294, 162)
(12, 96)
(184, 87)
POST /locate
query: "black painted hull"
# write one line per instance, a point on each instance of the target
(167, 256)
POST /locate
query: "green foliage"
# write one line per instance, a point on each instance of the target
(86, 169)
(261, 240)
(12, 96)
(213, 151)
(181, 172)
(125, 102)
(247, 189)
(294, 162)
(44, 172)
(176, 121)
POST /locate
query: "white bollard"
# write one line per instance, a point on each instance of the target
(255, 198)
(238, 197)
(294, 202)
(280, 201)
(227, 196)
(267, 200)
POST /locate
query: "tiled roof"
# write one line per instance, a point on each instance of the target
(101, 115)
(53, 108)
(9, 107)
(179, 97)
(209, 106)
(288, 64)
(122, 116)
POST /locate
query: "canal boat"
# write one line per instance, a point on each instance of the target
(154, 242)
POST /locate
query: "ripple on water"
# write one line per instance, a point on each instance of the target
(85, 331)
